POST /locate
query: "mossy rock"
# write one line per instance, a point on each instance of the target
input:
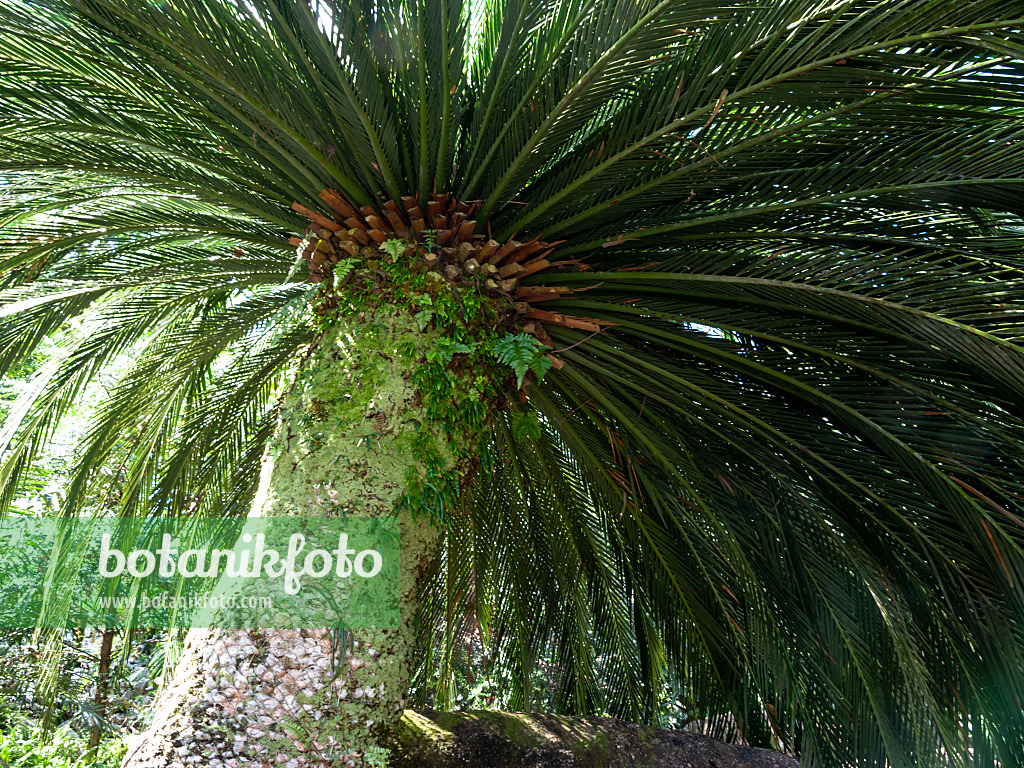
(484, 739)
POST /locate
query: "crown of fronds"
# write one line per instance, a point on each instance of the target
(786, 476)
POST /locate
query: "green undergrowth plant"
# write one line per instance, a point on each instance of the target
(22, 745)
(376, 757)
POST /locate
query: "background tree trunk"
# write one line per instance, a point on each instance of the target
(344, 446)
(102, 683)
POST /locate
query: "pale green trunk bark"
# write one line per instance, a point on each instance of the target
(265, 698)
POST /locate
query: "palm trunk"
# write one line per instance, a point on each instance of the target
(266, 698)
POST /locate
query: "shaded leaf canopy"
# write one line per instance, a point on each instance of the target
(786, 477)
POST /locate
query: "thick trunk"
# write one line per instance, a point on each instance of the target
(350, 437)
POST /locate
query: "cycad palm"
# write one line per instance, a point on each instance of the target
(785, 472)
